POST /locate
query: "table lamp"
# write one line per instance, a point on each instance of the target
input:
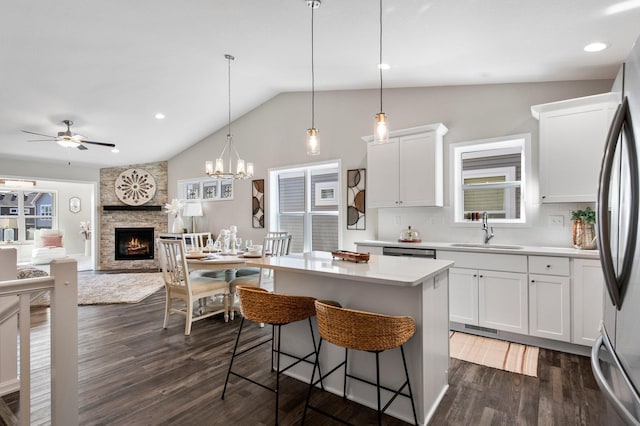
(193, 209)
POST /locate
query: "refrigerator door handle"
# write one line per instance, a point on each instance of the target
(603, 340)
(617, 284)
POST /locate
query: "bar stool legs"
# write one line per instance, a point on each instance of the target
(275, 351)
(377, 384)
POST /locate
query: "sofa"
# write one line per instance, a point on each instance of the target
(49, 245)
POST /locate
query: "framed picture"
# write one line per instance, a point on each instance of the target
(356, 208)
(257, 203)
(74, 205)
(326, 194)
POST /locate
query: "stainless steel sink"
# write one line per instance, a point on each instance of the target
(487, 246)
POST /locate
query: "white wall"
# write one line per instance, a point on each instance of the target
(273, 135)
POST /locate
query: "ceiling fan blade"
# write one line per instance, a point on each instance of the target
(112, 145)
(41, 140)
(82, 147)
(39, 134)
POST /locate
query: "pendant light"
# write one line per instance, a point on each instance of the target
(381, 125)
(229, 149)
(313, 140)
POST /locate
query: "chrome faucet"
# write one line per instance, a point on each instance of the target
(488, 232)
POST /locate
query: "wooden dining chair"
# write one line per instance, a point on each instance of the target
(179, 284)
(272, 247)
(196, 240)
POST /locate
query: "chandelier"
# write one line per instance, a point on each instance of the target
(229, 151)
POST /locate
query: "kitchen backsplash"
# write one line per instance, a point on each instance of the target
(549, 226)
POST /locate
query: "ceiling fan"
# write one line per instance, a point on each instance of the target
(69, 139)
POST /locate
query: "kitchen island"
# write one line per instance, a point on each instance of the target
(387, 285)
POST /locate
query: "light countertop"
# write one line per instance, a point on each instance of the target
(386, 270)
(522, 249)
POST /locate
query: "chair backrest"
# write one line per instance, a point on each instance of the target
(174, 263)
(196, 240)
(364, 331)
(259, 305)
(277, 234)
(276, 246)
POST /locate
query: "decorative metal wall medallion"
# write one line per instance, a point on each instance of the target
(135, 187)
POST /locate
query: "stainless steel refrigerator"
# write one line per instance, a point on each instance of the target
(615, 357)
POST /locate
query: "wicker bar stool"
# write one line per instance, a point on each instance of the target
(262, 307)
(363, 331)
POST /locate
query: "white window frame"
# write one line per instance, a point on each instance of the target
(509, 174)
(297, 170)
(21, 217)
(491, 145)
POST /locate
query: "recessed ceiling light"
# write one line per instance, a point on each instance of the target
(384, 66)
(160, 116)
(115, 150)
(595, 47)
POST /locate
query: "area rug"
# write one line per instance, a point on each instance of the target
(494, 353)
(105, 289)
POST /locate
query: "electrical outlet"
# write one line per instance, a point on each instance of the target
(556, 220)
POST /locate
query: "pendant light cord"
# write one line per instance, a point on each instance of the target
(229, 92)
(380, 62)
(313, 78)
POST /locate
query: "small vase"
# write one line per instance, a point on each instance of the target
(87, 248)
(178, 224)
(584, 235)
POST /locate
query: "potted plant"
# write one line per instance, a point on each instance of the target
(584, 234)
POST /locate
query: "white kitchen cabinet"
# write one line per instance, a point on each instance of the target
(489, 290)
(463, 295)
(407, 171)
(571, 141)
(588, 293)
(550, 297)
(503, 302)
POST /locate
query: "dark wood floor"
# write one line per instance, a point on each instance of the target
(132, 372)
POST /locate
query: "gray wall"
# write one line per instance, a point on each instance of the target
(273, 135)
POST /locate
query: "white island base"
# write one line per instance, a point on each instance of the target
(387, 285)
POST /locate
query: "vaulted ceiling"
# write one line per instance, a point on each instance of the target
(110, 66)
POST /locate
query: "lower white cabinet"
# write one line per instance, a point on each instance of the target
(588, 294)
(369, 249)
(503, 302)
(463, 295)
(550, 307)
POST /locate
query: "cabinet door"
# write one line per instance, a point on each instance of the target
(503, 302)
(549, 307)
(568, 140)
(421, 170)
(588, 293)
(463, 295)
(382, 174)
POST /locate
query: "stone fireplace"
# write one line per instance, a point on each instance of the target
(116, 215)
(134, 243)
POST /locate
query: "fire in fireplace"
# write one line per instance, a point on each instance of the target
(134, 243)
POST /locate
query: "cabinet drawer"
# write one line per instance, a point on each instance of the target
(549, 265)
(492, 262)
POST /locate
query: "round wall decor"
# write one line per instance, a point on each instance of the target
(135, 187)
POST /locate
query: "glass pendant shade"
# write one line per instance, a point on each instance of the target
(219, 166)
(240, 167)
(208, 167)
(250, 169)
(381, 129)
(313, 142)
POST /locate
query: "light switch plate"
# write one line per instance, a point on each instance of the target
(556, 220)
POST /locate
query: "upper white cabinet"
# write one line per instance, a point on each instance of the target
(571, 144)
(408, 170)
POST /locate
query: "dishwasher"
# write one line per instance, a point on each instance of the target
(409, 251)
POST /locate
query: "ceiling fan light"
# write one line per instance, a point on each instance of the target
(68, 143)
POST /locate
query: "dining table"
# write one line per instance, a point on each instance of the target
(217, 262)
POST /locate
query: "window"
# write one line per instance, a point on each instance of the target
(489, 176)
(38, 212)
(306, 203)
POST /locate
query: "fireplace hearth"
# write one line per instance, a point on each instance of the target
(134, 243)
